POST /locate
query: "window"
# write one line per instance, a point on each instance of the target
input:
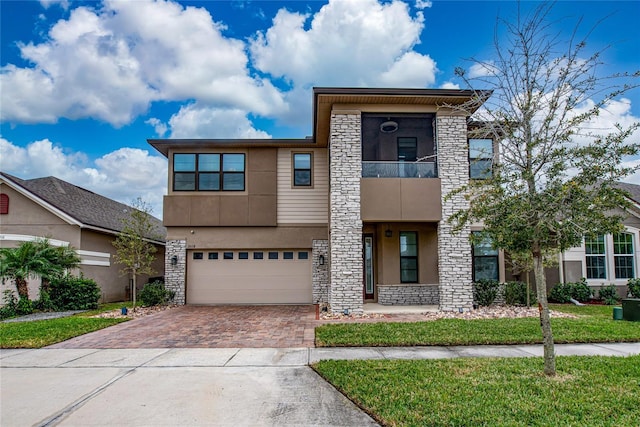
(198, 255)
(480, 158)
(273, 255)
(408, 257)
(258, 255)
(623, 255)
(596, 257)
(407, 149)
(4, 204)
(302, 169)
(227, 255)
(208, 172)
(303, 255)
(213, 255)
(243, 255)
(485, 259)
(287, 255)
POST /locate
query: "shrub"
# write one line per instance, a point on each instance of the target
(10, 307)
(563, 292)
(485, 291)
(609, 294)
(155, 294)
(515, 293)
(24, 307)
(634, 287)
(560, 293)
(44, 302)
(74, 293)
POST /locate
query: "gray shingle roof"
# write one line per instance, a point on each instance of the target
(632, 189)
(83, 205)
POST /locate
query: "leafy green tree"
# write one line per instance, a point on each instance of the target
(134, 250)
(555, 180)
(35, 258)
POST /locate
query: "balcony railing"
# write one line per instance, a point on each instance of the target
(399, 170)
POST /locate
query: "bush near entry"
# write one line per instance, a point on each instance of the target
(155, 294)
(563, 292)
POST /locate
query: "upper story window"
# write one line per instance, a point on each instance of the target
(480, 158)
(4, 204)
(208, 172)
(302, 169)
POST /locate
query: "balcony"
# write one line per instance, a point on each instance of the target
(399, 170)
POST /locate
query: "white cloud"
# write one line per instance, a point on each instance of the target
(158, 126)
(196, 121)
(62, 3)
(346, 43)
(483, 69)
(449, 85)
(423, 4)
(122, 175)
(111, 63)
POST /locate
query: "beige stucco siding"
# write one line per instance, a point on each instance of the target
(303, 205)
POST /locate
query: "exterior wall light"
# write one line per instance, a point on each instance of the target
(174, 260)
(388, 233)
(321, 259)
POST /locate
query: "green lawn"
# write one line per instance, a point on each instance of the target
(594, 324)
(588, 391)
(42, 333)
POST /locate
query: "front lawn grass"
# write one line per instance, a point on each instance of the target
(594, 324)
(41, 333)
(588, 391)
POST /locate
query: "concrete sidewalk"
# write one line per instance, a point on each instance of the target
(218, 386)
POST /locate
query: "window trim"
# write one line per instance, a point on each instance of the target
(475, 159)
(220, 173)
(293, 170)
(415, 257)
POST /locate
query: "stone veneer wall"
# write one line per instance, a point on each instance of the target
(320, 273)
(345, 224)
(408, 294)
(454, 249)
(175, 275)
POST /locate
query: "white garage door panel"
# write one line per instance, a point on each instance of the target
(249, 281)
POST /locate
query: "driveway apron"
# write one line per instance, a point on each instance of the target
(282, 326)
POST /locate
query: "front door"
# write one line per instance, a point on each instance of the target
(368, 279)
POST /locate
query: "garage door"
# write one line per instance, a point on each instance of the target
(249, 277)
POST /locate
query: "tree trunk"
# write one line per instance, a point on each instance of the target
(133, 291)
(22, 288)
(545, 319)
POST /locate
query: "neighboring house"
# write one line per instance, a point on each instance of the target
(70, 215)
(608, 258)
(355, 213)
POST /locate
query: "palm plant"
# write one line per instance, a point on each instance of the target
(35, 258)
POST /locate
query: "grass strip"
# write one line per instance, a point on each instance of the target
(41, 333)
(588, 391)
(594, 324)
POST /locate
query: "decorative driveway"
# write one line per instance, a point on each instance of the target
(209, 327)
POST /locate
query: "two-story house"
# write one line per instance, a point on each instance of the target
(355, 213)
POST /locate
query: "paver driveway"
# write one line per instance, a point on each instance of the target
(208, 327)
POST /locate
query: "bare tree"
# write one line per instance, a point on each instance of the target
(555, 179)
(134, 250)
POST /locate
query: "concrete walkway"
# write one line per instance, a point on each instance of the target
(218, 386)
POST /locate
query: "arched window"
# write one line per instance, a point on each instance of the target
(4, 204)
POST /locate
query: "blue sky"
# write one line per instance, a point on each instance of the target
(84, 84)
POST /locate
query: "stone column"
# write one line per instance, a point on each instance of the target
(345, 224)
(175, 275)
(454, 249)
(320, 274)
